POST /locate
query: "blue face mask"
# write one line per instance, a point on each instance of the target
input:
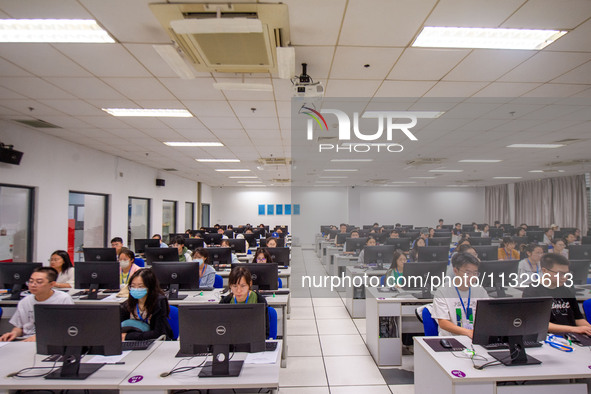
(138, 293)
(200, 261)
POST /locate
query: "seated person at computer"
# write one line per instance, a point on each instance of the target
(413, 254)
(371, 241)
(507, 250)
(117, 243)
(394, 234)
(240, 283)
(439, 224)
(457, 230)
(578, 235)
(559, 247)
(570, 239)
(354, 234)
(206, 271)
(467, 248)
(396, 270)
(127, 267)
(431, 232)
(272, 242)
(221, 231)
(520, 232)
(144, 315)
(60, 261)
(485, 233)
(566, 316)
(424, 235)
(159, 238)
(179, 243)
(529, 268)
(343, 228)
(454, 308)
(464, 240)
(262, 256)
(41, 286)
(226, 244)
(548, 236)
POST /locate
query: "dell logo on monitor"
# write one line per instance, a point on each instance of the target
(17, 276)
(254, 276)
(174, 275)
(72, 331)
(94, 275)
(220, 330)
(517, 322)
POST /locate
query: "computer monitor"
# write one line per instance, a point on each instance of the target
(264, 275)
(161, 254)
(417, 275)
(399, 243)
(73, 330)
(324, 229)
(172, 236)
(100, 254)
(229, 233)
(332, 234)
(219, 256)
(216, 328)
(487, 252)
(412, 234)
(580, 271)
(142, 244)
(535, 236)
(519, 241)
(355, 244)
(433, 253)
(279, 256)
(95, 275)
(480, 241)
(239, 230)
(213, 238)
(579, 252)
(440, 241)
(511, 320)
(251, 239)
(15, 276)
(194, 243)
(260, 232)
(176, 275)
(474, 234)
(495, 232)
(494, 274)
(378, 256)
(280, 242)
(586, 240)
(342, 237)
(237, 245)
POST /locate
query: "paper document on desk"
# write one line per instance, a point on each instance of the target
(262, 357)
(108, 359)
(110, 298)
(4, 343)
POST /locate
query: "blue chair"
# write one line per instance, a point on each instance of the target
(382, 280)
(0, 312)
(586, 309)
(218, 282)
(139, 262)
(279, 283)
(173, 320)
(430, 325)
(272, 322)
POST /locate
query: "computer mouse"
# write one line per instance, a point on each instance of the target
(445, 343)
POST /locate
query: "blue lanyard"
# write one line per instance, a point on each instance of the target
(124, 282)
(245, 301)
(462, 301)
(139, 315)
(532, 268)
(508, 254)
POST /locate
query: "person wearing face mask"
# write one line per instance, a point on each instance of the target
(144, 314)
(206, 271)
(126, 266)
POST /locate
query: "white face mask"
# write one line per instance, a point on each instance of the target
(124, 263)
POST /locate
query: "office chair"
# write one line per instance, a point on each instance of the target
(218, 282)
(586, 309)
(272, 322)
(139, 262)
(279, 283)
(430, 325)
(0, 312)
(173, 320)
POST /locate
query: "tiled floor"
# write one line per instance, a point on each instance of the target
(327, 351)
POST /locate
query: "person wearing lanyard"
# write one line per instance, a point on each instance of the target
(206, 271)
(454, 304)
(240, 282)
(529, 268)
(144, 315)
(126, 266)
(396, 269)
(507, 250)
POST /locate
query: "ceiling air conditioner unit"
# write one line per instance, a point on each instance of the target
(229, 38)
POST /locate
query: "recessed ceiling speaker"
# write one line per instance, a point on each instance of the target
(160, 182)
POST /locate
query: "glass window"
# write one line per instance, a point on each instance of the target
(205, 215)
(16, 208)
(189, 215)
(168, 218)
(87, 223)
(138, 219)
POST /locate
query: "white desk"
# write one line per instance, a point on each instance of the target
(162, 360)
(338, 263)
(283, 273)
(355, 296)
(442, 372)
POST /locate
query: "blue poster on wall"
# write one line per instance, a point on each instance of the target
(270, 209)
(279, 209)
(287, 209)
(296, 209)
(261, 209)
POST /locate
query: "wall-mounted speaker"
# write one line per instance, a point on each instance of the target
(10, 156)
(160, 182)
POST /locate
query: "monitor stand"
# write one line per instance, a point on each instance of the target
(499, 292)
(93, 293)
(15, 293)
(221, 366)
(515, 355)
(173, 292)
(72, 368)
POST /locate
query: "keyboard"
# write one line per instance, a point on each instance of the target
(271, 292)
(270, 346)
(80, 293)
(504, 346)
(136, 345)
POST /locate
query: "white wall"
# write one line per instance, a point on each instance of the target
(55, 167)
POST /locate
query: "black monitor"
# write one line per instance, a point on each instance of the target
(260, 232)
(212, 238)
(580, 271)
(511, 320)
(279, 256)
(142, 244)
(275, 234)
(324, 229)
(474, 234)
(495, 232)
(579, 252)
(237, 245)
(229, 233)
(216, 328)
(535, 236)
(355, 244)
(73, 330)
(378, 256)
(239, 230)
(586, 240)
(442, 232)
(100, 254)
(412, 234)
(251, 239)
(176, 275)
(440, 241)
(416, 277)
(433, 253)
(480, 241)
(342, 237)
(280, 242)
(487, 252)
(219, 256)
(95, 275)
(15, 276)
(172, 236)
(447, 226)
(497, 273)
(264, 275)
(194, 243)
(161, 254)
(519, 241)
(399, 243)
(332, 234)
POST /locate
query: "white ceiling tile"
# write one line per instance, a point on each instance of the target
(580, 75)
(506, 89)
(8, 113)
(545, 66)
(549, 14)
(243, 109)
(99, 59)
(283, 89)
(41, 9)
(555, 90)
(148, 56)
(183, 123)
(228, 122)
(472, 13)
(487, 64)
(320, 27)
(404, 88)
(9, 69)
(68, 122)
(576, 40)
(196, 134)
(104, 122)
(139, 88)
(208, 108)
(455, 89)
(350, 62)
(259, 123)
(10, 94)
(426, 64)
(24, 107)
(192, 89)
(74, 107)
(351, 88)
(247, 95)
(86, 87)
(394, 23)
(35, 88)
(318, 59)
(42, 60)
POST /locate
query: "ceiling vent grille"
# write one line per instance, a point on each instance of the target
(281, 180)
(37, 123)
(274, 161)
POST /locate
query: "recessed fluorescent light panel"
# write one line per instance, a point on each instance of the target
(232, 170)
(218, 160)
(479, 161)
(159, 113)
(540, 146)
(507, 177)
(489, 38)
(53, 30)
(193, 144)
(546, 171)
(446, 170)
(350, 160)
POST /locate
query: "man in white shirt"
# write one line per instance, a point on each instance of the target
(40, 285)
(454, 307)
